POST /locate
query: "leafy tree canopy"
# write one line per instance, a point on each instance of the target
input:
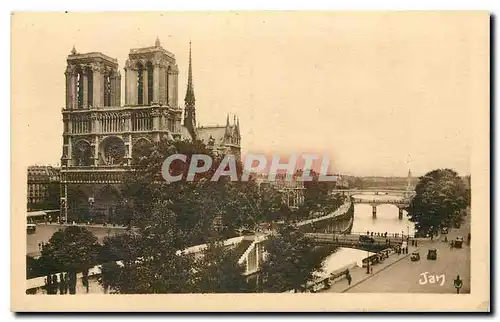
(292, 260)
(440, 200)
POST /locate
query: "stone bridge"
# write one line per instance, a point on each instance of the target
(401, 203)
(376, 192)
(353, 241)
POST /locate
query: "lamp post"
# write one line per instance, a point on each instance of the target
(367, 262)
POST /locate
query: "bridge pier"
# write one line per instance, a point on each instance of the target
(400, 213)
(374, 211)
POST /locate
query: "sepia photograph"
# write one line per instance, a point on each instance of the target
(250, 161)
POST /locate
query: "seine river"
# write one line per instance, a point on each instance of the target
(386, 221)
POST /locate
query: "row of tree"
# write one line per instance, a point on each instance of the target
(147, 261)
(168, 217)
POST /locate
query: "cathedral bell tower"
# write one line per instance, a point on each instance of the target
(92, 81)
(151, 77)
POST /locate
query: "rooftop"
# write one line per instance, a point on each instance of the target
(77, 56)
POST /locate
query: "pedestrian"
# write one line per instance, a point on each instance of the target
(48, 284)
(61, 284)
(371, 269)
(416, 243)
(66, 283)
(458, 284)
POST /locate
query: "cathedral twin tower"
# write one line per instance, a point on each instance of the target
(93, 79)
(93, 103)
(102, 139)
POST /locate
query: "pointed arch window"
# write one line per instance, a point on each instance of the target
(149, 68)
(167, 84)
(90, 86)
(79, 88)
(140, 84)
(107, 89)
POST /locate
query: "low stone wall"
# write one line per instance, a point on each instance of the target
(324, 283)
(345, 213)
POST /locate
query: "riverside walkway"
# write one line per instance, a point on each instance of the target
(398, 274)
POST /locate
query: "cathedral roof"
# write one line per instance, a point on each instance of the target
(217, 133)
(185, 135)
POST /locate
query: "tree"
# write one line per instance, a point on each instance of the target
(218, 271)
(318, 197)
(150, 258)
(355, 182)
(168, 217)
(440, 200)
(200, 202)
(291, 261)
(53, 196)
(71, 250)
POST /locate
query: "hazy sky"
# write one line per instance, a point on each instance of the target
(372, 90)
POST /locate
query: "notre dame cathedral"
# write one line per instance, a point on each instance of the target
(102, 137)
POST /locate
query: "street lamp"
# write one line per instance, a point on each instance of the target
(367, 262)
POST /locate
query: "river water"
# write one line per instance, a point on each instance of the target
(386, 221)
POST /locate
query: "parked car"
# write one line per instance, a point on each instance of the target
(366, 239)
(432, 254)
(30, 228)
(457, 243)
(415, 256)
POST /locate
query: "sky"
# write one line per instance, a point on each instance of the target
(377, 92)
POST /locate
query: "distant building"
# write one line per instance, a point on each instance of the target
(292, 191)
(43, 187)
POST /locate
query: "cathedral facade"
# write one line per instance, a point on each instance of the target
(102, 138)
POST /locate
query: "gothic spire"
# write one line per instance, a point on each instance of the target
(157, 42)
(189, 99)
